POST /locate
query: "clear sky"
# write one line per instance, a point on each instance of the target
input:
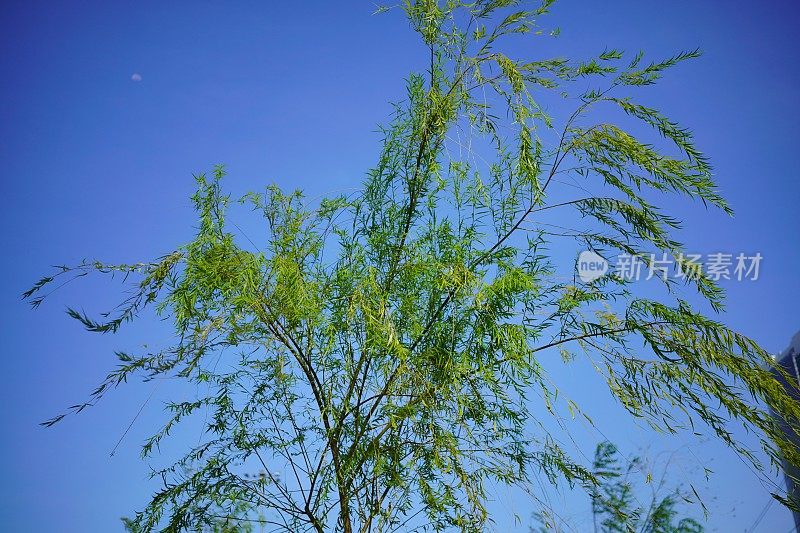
(97, 165)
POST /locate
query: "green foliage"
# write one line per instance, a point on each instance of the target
(615, 505)
(625, 500)
(385, 349)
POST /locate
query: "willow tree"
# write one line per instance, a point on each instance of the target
(385, 348)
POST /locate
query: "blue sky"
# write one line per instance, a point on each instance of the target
(97, 165)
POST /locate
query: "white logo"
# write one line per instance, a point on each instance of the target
(591, 266)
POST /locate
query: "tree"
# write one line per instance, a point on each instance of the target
(387, 346)
(618, 504)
